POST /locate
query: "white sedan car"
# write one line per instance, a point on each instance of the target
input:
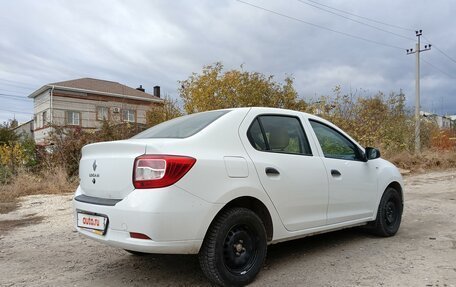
(224, 184)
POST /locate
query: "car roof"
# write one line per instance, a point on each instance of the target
(279, 110)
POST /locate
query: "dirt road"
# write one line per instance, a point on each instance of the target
(38, 247)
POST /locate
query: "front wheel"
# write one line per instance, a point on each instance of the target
(389, 214)
(234, 248)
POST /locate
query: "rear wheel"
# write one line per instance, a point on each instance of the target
(234, 248)
(389, 214)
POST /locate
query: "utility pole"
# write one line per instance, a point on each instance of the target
(417, 51)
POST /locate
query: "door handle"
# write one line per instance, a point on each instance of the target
(271, 171)
(335, 173)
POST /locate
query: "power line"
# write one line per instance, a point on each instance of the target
(362, 17)
(320, 27)
(379, 22)
(13, 111)
(347, 34)
(441, 51)
(356, 21)
(3, 94)
(16, 84)
(11, 81)
(438, 69)
(11, 91)
(15, 97)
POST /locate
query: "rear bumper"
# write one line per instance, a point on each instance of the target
(175, 220)
(121, 239)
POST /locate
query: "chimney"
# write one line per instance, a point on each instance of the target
(157, 91)
(141, 89)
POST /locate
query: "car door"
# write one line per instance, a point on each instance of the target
(293, 178)
(352, 180)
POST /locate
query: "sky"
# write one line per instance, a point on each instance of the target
(141, 42)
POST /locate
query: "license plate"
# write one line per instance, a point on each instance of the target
(94, 223)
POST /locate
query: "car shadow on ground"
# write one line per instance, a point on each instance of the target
(184, 270)
(315, 244)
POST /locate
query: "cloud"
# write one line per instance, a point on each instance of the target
(322, 80)
(162, 42)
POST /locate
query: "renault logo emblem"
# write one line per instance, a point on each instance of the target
(93, 174)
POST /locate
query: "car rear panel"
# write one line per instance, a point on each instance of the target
(176, 217)
(106, 169)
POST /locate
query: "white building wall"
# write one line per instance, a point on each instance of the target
(446, 123)
(87, 109)
(25, 130)
(443, 122)
(41, 104)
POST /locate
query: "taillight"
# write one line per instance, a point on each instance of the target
(153, 171)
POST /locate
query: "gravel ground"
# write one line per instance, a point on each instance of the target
(39, 247)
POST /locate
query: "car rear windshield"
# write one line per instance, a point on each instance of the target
(181, 127)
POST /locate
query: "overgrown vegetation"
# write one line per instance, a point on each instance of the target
(65, 144)
(381, 121)
(162, 113)
(27, 169)
(16, 152)
(27, 182)
(214, 89)
(384, 121)
(428, 159)
(374, 120)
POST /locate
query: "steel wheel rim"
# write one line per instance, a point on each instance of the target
(240, 249)
(391, 213)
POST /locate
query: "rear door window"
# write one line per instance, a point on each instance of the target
(276, 133)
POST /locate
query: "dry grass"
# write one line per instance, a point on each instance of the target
(53, 181)
(428, 160)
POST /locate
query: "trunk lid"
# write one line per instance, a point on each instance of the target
(106, 169)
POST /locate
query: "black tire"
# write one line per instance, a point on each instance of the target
(136, 253)
(389, 214)
(234, 248)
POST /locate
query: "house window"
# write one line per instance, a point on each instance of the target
(44, 118)
(102, 113)
(128, 116)
(73, 118)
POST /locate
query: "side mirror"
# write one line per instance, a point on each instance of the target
(372, 153)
